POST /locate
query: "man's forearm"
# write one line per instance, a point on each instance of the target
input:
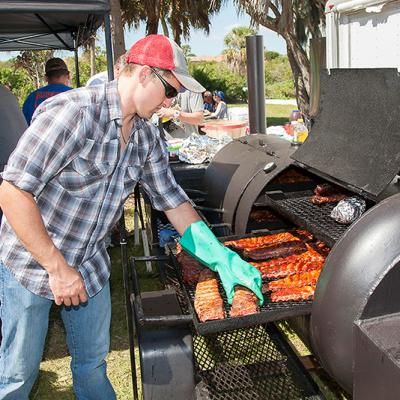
(195, 118)
(182, 216)
(23, 214)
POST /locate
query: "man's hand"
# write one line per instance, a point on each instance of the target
(201, 243)
(67, 286)
(166, 112)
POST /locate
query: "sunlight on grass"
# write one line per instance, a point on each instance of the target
(277, 114)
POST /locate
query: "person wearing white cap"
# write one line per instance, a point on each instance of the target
(64, 188)
(188, 114)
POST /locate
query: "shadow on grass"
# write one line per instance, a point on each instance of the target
(273, 121)
(47, 387)
(148, 281)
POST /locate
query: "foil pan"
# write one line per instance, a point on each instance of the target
(198, 149)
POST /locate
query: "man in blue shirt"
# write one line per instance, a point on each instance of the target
(57, 76)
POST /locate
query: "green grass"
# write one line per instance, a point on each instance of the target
(276, 114)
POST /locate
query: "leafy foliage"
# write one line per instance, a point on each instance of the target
(84, 66)
(34, 62)
(187, 50)
(235, 52)
(296, 21)
(218, 76)
(177, 16)
(278, 77)
(17, 80)
(25, 73)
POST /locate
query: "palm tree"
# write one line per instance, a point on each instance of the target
(295, 21)
(178, 15)
(236, 48)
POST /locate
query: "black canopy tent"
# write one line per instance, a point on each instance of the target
(44, 25)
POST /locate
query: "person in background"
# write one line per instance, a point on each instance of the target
(63, 188)
(102, 77)
(221, 109)
(188, 113)
(58, 78)
(208, 102)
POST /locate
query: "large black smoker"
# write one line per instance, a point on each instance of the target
(352, 325)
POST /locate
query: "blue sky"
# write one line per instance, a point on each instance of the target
(200, 43)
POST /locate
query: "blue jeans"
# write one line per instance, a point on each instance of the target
(25, 318)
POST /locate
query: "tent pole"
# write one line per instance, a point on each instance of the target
(77, 77)
(109, 50)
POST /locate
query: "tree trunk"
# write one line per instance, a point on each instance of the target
(164, 26)
(302, 95)
(153, 18)
(117, 29)
(300, 66)
(281, 21)
(92, 49)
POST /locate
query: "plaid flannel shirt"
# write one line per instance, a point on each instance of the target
(71, 161)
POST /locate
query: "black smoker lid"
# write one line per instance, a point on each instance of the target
(356, 137)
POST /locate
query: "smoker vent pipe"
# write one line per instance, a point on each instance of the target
(255, 83)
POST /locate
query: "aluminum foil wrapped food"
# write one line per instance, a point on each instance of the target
(348, 210)
(198, 149)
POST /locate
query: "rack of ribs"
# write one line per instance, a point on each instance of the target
(208, 301)
(244, 302)
(276, 250)
(293, 294)
(309, 278)
(294, 264)
(253, 242)
(190, 267)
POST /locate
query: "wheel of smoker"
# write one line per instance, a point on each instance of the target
(360, 280)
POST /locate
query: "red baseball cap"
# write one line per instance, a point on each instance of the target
(159, 51)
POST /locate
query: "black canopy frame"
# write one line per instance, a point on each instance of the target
(51, 25)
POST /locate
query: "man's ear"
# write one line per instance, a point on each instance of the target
(144, 73)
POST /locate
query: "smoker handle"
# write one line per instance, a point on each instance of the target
(195, 191)
(136, 300)
(210, 209)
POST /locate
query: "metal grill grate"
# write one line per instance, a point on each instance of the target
(315, 218)
(247, 364)
(269, 311)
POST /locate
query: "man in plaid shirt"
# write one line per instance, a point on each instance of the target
(64, 188)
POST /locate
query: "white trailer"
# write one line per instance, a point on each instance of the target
(362, 34)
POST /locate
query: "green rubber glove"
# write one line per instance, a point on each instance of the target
(200, 243)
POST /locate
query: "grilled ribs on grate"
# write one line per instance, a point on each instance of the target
(208, 301)
(276, 250)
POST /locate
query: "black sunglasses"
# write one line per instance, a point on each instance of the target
(170, 91)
